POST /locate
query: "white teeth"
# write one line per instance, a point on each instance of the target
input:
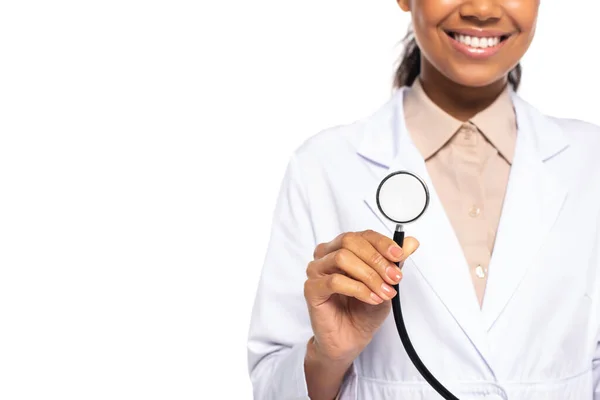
(478, 42)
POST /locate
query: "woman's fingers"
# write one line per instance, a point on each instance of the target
(374, 249)
(350, 241)
(384, 245)
(370, 247)
(389, 248)
(373, 275)
(319, 290)
(360, 265)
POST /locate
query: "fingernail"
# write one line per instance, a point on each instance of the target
(394, 273)
(389, 291)
(396, 251)
(376, 299)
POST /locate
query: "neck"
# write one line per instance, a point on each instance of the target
(462, 102)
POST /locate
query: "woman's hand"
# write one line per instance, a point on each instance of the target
(349, 288)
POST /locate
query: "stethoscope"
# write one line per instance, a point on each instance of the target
(403, 197)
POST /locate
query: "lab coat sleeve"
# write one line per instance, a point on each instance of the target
(280, 326)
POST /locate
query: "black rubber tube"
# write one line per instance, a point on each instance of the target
(410, 350)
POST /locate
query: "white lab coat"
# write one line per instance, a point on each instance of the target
(536, 336)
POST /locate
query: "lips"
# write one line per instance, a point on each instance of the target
(477, 43)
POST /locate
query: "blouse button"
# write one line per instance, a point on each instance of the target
(474, 211)
(480, 271)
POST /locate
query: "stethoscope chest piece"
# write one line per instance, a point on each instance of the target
(402, 197)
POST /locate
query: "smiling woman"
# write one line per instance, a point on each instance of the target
(499, 300)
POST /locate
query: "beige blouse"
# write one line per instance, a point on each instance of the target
(469, 164)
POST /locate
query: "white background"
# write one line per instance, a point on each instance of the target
(142, 145)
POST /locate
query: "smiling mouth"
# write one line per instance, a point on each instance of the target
(480, 40)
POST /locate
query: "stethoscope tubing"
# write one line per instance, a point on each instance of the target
(408, 346)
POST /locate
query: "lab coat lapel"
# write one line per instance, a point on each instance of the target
(532, 203)
(439, 259)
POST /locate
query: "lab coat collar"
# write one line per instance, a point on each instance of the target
(384, 130)
(532, 203)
